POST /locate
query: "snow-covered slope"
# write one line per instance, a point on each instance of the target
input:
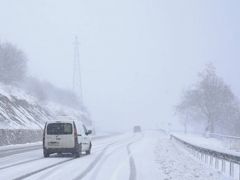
(18, 110)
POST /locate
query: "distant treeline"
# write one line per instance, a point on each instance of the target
(13, 71)
(210, 105)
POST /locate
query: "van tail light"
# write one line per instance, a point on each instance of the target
(44, 135)
(75, 132)
(75, 135)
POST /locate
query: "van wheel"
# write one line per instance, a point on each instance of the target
(76, 154)
(89, 150)
(78, 151)
(45, 154)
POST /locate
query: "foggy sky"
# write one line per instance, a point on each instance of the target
(136, 55)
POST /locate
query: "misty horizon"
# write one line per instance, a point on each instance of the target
(136, 56)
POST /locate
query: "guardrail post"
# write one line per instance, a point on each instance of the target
(211, 160)
(195, 153)
(231, 169)
(239, 172)
(223, 166)
(216, 163)
(206, 158)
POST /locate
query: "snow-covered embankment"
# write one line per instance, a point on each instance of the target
(22, 116)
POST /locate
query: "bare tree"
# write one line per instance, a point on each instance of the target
(13, 64)
(211, 100)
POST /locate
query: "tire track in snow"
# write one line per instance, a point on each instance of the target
(95, 162)
(18, 150)
(97, 170)
(133, 169)
(9, 152)
(42, 169)
(131, 160)
(20, 163)
(62, 162)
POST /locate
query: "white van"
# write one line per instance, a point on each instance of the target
(66, 137)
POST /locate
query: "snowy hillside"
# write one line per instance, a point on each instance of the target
(18, 110)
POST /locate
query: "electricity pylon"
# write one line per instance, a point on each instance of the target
(77, 76)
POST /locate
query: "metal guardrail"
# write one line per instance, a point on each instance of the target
(228, 164)
(233, 142)
(215, 135)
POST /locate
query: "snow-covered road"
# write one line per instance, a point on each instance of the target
(140, 156)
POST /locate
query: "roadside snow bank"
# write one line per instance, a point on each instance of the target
(208, 143)
(176, 164)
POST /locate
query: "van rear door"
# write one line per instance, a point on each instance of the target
(83, 139)
(59, 135)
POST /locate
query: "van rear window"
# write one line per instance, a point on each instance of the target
(59, 128)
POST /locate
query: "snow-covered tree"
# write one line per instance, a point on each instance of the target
(45, 91)
(212, 101)
(13, 64)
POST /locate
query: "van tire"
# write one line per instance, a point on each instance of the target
(89, 150)
(76, 154)
(78, 151)
(45, 154)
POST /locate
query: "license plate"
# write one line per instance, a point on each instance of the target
(53, 143)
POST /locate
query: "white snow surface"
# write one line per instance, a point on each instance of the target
(17, 146)
(175, 163)
(141, 156)
(24, 114)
